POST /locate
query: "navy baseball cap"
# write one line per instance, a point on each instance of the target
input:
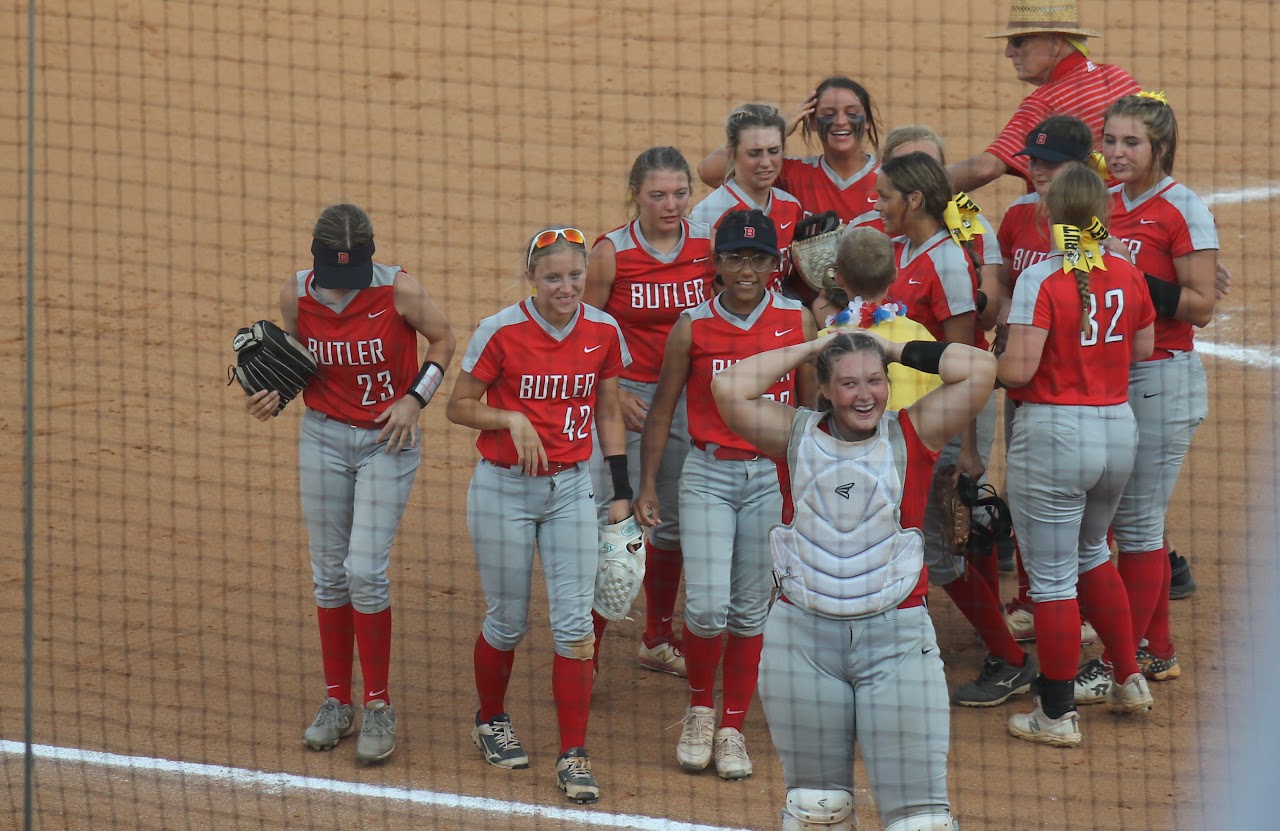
(741, 230)
(1054, 147)
(338, 269)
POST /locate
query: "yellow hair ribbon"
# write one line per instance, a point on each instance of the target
(1097, 164)
(1154, 96)
(1097, 230)
(961, 218)
(1081, 45)
(1081, 251)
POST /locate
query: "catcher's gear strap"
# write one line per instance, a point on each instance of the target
(923, 355)
(427, 382)
(621, 480)
(819, 810)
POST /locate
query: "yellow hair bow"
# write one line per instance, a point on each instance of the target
(1097, 164)
(1080, 249)
(1154, 96)
(961, 218)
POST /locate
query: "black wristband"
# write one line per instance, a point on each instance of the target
(618, 472)
(428, 381)
(982, 301)
(1164, 295)
(924, 355)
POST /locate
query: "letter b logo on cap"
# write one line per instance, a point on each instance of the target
(343, 258)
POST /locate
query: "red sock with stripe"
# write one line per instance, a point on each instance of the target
(1106, 604)
(1159, 638)
(741, 670)
(702, 659)
(661, 586)
(1140, 573)
(981, 608)
(373, 637)
(493, 673)
(571, 688)
(337, 650)
(1058, 638)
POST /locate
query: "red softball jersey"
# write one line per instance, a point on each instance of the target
(1082, 367)
(1077, 86)
(783, 208)
(550, 375)
(368, 353)
(1024, 236)
(819, 189)
(651, 289)
(1161, 225)
(937, 282)
(719, 339)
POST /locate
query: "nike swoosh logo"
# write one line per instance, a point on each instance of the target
(926, 651)
(778, 334)
(913, 282)
(590, 349)
(372, 315)
(377, 693)
(784, 226)
(1146, 222)
(1150, 394)
(732, 712)
(872, 199)
(700, 259)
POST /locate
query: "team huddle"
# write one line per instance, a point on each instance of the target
(782, 434)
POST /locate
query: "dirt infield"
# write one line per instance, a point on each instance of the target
(183, 151)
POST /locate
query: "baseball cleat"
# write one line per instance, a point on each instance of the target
(1093, 682)
(1022, 625)
(694, 749)
(1037, 727)
(377, 732)
(498, 742)
(998, 681)
(665, 657)
(573, 775)
(732, 761)
(1158, 669)
(333, 722)
(1133, 696)
(1181, 583)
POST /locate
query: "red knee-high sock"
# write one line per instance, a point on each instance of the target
(1159, 638)
(1140, 573)
(373, 636)
(1058, 638)
(1106, 604)
(571, 688)
(1023, 600)
(598, 624)
(493, 673)
(337, 650)
(661, 585)
(988, 567)
(702, 659)
(741, 669)
(980, 607)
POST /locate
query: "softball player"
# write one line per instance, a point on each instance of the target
(1172, 237)
(937, 281)
(1076, 322)
(849, 650)
(358, 452)
(729, 494)
(645, 274)
(843, 177)
(546, 367)
(755, 136)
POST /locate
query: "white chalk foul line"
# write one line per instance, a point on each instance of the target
(1247, 355)
(281, 782)
(1262, 193)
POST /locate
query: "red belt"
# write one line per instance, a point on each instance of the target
(727, 454)
(551, 469)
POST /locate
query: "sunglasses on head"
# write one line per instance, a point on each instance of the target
(549, 236)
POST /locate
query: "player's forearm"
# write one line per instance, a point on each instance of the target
(751, 378)
(473, 413)
(973, 173)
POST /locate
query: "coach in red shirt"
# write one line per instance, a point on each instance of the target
(1049, 50)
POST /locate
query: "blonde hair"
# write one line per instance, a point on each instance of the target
(654, 159)
(1162, 127)
(907, 134)
(746, 117)
(343, 227)
(864, 262)
(1075, 197)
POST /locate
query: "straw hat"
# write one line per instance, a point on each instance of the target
(1029, 17)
